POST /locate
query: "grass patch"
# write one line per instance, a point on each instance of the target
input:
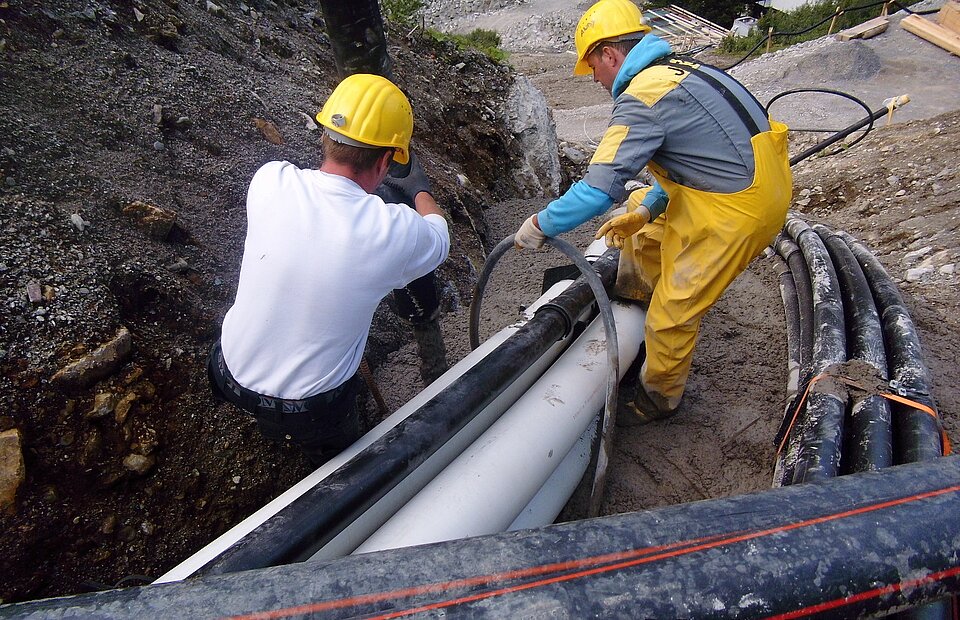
(486, 41)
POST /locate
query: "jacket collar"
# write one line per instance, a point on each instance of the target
(650, 48)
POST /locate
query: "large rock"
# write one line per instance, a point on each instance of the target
(529, 119)
(12, 470)
(101, 363)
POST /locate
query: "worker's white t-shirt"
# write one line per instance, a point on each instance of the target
(319, 256)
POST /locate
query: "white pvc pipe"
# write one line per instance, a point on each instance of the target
(556, 491)
(489, 484)
(387, 505)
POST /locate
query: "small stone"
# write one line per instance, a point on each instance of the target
(138, 15)
(236, 479)
(138, 463)
(10, 181)
(104, 404)
(180, 266)
(916, 274)
(215, 9)
(156, 221)
(158, 146)
(109, 524)
(157, 118)
(34, 292)
(78, 222)
(12, 468)
(122, 409)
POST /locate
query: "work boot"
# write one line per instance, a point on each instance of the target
(433, 353)
(645, 409)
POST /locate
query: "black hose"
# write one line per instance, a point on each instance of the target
(916, 433)
(788, 249)
(818, 454)
(837, 13)
(608, 421)
(839, 135)
(843, 133)
(869, 444)
(791, 311)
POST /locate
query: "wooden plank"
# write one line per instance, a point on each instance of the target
(867, 29)
(935, 33)
(949, 16)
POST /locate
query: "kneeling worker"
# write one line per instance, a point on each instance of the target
(321, 252)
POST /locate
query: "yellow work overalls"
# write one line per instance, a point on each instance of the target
(686, 258)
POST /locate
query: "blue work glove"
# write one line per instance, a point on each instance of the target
(408, 179)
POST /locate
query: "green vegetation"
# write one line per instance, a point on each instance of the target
(486, 41)
(401, 12)
(798, 21)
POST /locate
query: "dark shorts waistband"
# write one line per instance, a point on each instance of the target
(253, 402)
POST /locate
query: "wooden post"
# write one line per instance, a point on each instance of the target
(833, 21)
(885, 9)
(769, 38)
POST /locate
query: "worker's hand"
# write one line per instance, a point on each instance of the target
(621, 227)
(409, 178)
(529, 236)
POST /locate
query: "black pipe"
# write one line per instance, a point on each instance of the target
(314, 518)
(856, 546)
(843, 133)
(356, 33)
(820, 439)
(869, 444)
(788, 249)
(916, 433)
(788, 295)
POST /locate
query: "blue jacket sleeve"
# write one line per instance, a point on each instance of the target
(580, 203)
(655, 201)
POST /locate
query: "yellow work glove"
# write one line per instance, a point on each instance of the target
(621, 227)
(529, 236)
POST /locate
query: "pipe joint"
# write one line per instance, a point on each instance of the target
(568, 320)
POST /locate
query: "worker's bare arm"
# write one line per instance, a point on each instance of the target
(426, 205)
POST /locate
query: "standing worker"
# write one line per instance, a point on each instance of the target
(321, 252)
(722, 192)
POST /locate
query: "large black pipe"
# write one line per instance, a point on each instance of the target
(855, 546)
(356, 33)
(869, 443)
(916, 433)
(820, 439)
(314, 518)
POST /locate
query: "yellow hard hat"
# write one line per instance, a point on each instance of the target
(605, 20)
(368, 111)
